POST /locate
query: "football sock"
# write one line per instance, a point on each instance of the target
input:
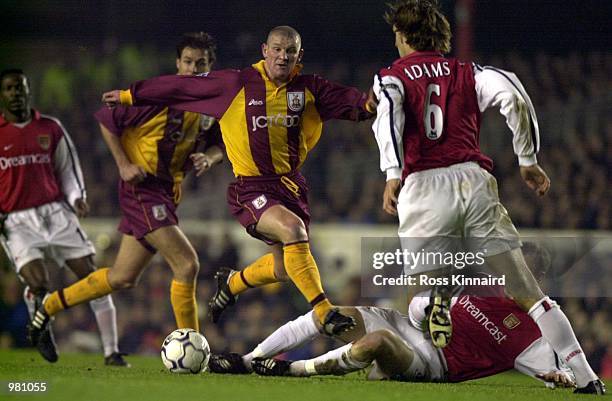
(287, 337)
(337, 361)
(557, 330)
(91, 287)
(182, 296)
(256, 274)
(28, 298)
(302, 269)
(106, 316)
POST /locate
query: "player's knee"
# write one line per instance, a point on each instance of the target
(122, 282)
(373, 344)
(188, 269)
(382, 340)
(293, 229)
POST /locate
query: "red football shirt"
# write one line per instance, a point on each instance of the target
(442, 118)
(27, 173)
(489, 332)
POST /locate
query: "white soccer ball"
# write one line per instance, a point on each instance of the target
(185, 351)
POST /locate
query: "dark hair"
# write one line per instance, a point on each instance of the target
(198, 40)
(10, 71)
(424, 25)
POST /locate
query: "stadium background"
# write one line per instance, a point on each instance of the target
(73, 51)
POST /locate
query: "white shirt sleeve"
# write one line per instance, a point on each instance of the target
(68, 169)
(389, 124)
(502, 89)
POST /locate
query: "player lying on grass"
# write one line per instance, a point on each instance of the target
(492, 335)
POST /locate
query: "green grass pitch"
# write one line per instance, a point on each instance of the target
(84, 377)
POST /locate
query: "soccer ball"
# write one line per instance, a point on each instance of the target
(185, 351)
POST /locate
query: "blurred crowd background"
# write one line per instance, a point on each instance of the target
(572, 94)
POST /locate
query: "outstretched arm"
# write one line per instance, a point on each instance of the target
(208, 94)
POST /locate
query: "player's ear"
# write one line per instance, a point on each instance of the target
(178, 64)
(264, 49)
(300, 55)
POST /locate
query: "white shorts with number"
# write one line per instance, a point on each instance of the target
(50, 231)
(427, 365)
(453, 209)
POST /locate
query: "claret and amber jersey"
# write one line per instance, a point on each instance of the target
(267, 129)
(160, 139)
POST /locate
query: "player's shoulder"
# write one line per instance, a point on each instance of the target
(46, 120)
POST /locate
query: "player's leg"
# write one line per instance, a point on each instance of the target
(553, 323)
(131, 261)
(176, 249)
(35, 275)
(289, 336)
(280, 224)
(231, 283)
(489, 226)
(429, 212)
(393, 356)
(104, 311)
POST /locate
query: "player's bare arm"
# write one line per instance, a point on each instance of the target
(129, 172)
(536, 179)
(203, 161)
(390, 196)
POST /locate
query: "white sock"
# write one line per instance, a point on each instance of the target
(28, 298)
(287, 337)
(106, 316)
(344, 363)
(557, 330)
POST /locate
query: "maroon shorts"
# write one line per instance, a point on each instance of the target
(146, 207)
(249, 197)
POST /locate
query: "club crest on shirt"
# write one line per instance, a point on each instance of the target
(260, 201)
(44, 141)
(295, 101)
(159, 212)
(511, 321)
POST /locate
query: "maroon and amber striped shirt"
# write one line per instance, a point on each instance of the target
(267, 129)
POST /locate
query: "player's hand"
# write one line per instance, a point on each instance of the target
(112, 98)
(81, 207)
(201, 163)
(132, 173)
(390, 196)
(371, 102)
(558, 378)
(536, 179)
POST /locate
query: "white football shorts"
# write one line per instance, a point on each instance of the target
(50, 231)
(427, 366)
(452, 209)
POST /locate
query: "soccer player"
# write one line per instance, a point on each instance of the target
(153, 148)
(439, 182)
(492, 335)
(42, 197)
(271, 116)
